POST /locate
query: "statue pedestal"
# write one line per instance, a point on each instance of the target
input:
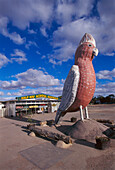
(87, 130)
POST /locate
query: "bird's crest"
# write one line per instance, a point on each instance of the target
(88, 38)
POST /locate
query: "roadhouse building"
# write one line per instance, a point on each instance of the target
(31, 104)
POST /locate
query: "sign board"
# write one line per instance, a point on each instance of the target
(25, 107)
(19, 107)
(54, 105)
(37, 96)
(33, 106)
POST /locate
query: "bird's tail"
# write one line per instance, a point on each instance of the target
(58, 115)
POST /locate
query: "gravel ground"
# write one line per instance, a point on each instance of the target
(20, 151)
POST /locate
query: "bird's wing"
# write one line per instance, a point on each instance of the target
(69, 90)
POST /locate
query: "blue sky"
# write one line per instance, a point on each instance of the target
(38, 40)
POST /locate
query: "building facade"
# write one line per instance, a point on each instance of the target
(32, 104)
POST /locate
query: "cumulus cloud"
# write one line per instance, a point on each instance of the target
(31, 78)
(66, 10)
(43, 11)
(31, 43)
(3, 60)
(55, 91)
(109, 54)
(105, 89)
(16, 38)
(43, 31)
(107, 11)
(3, 98)
(25, 92)
(74, 18)
(53, 61)
(43, 69)
(21, 14)
(67, 37)
(31, 31)
(106, 74)
(19, 56)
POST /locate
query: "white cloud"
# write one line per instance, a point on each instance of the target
(107, 12)
(68, 15)
(18, 53)
(43, 57)
(16, 38)
(105, 89)
(67, 37)
(43, 31)
(43, 69)
(31, 43)
(53, 61)
(106, 74)
(67, 10)
(31, 78)
(3, 60)
(22, 13)
(56, 91)
(37, 52)
(1, 93)
(63, 81)
(25, 92)
(43, 11)
(31, 31)
(64, 53)
(9, 94)
(17, 93)
(109, 54)
(19, 56)
(3, 98)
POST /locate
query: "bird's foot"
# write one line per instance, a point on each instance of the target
(87, 118)
(82, 120)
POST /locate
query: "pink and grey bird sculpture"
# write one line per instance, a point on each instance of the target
(79, 86)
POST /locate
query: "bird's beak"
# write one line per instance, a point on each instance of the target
(94, 53)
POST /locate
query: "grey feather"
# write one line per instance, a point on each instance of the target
(58, 115)
(69, 91)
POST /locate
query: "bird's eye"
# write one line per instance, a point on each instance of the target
(89, 45)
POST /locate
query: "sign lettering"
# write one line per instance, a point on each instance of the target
(37, 96)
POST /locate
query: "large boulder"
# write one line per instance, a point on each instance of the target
(87, 129)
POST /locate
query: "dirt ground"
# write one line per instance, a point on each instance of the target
(20, 151)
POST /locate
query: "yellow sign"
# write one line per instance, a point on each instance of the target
(41, 95)
(33, 106)
(37, 96)
(53, 104)
(25, 97)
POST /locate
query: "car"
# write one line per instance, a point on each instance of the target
(39, 111)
